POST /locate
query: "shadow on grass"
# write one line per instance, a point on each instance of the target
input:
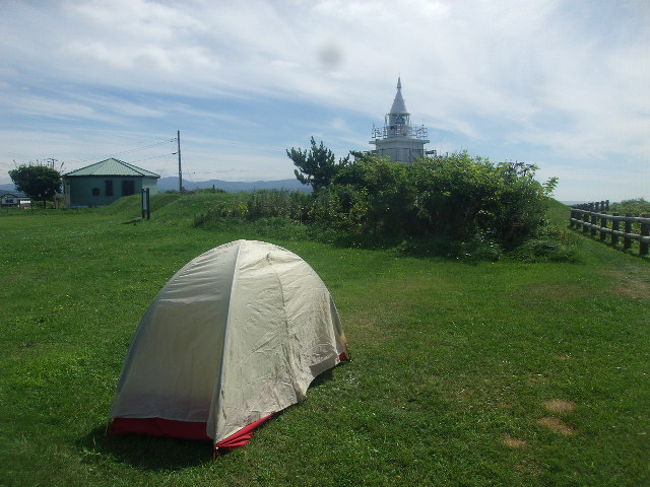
(146, 452)
(322, 378)
(154, 452)
(159, 453)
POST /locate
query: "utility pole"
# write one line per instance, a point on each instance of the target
(180, 172)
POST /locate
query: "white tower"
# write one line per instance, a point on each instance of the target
(398, 140)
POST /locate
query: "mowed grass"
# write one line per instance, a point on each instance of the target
(506, 373)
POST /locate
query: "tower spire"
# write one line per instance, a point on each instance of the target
(398, 140)
(398, 102)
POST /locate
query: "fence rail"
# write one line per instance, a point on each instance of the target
(592, 220)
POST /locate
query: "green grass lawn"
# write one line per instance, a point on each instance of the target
(504, 373)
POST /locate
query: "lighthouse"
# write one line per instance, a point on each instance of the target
(398, 140)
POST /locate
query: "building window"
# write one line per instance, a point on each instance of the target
(108, 187)
(128, 188)
(95, 191)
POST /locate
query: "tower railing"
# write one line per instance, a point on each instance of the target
(420, 133)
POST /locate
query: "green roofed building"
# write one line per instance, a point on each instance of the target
(106, 181)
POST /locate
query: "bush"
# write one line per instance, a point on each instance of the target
(553, 245)
(390, 195)
(460, 206)
(456, 198)
(475, 249)
(222, 210)
(271, 203)
(637, 206)
(212, 190)
(459, 196)
(453, 195)
(340, 207)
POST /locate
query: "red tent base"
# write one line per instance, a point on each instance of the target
(243, 436)
(181, 429)
(190, 430)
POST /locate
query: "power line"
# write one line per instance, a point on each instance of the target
(166, 141)
(138, 148)
(154, 157)
(134, 149)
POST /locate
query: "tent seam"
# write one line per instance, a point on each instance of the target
(217, 390)
(286, 326)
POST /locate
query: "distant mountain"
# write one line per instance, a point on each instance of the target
(8, 187)
(570, 203)
(171, 183)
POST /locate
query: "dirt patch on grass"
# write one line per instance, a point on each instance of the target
(629, 283)
(560, 406)
(512, 442)
(556, 292)
(529, 468)
(562, 356)
(557, 425)
(538, 379)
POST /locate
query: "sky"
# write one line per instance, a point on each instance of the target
(561, 84)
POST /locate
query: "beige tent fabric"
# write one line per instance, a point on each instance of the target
(237, 334)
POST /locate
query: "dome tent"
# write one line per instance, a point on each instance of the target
(235, 336)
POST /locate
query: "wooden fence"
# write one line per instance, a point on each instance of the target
(592, 219)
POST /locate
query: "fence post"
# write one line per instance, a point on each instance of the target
(146, 210)
(603, 224)
(585, 219)
(607, 205)
(594, 219)
(146, 196)
(645, 231)
(615, 226)
(627, 241)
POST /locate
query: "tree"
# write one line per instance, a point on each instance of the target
(39, 182)
(316, 166)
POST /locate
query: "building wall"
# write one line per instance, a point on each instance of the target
(10, 200)
(400, 149)
(96, 190)
(151, 183)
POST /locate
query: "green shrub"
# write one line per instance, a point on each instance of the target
(518, 207)
(475, 249)
(459, 196)
(553, 245)
(271, 203)
(390, 195)
(276, 228)
(213, 213)
(636, 206)
(453, 195)
(456, 198)
(207, 190)
(459, 206)
(340, 207)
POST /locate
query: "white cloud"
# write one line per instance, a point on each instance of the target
(569, 78)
